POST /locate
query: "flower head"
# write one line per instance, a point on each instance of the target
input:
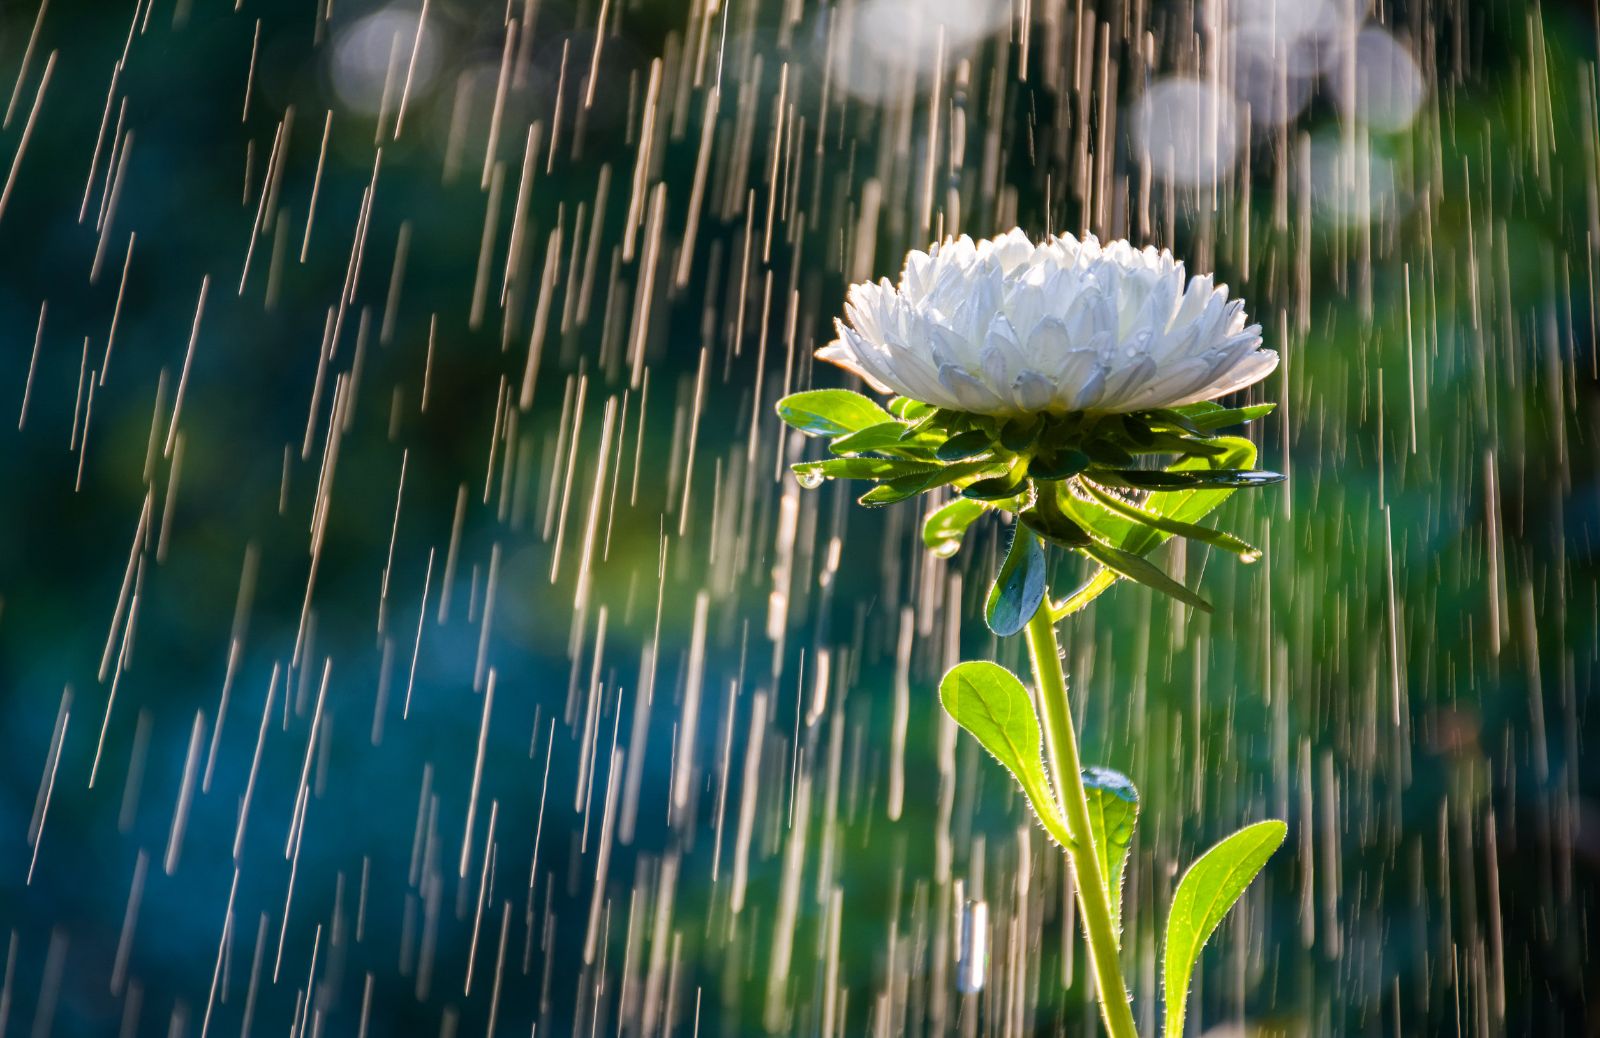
(1009, 327)
(1049, 382)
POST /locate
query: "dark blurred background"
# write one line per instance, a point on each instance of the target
(395, 470)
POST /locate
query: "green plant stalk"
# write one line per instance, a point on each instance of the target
(1061, 748)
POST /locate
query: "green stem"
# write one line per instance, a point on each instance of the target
(1061, 746)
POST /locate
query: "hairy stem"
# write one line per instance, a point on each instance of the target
(1061, 747)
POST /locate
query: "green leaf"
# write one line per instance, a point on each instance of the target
(1169, 479)
(830, 412)
(1142, 570)
(1189, 505)
(1185, 505)
(1208, 415)
(860, 468)
(885, 436)
(1175, 419)
(987, 700)
(1113, 813)
(944, 528)
(933, 420)
(1079, 600)
(910, 410)
(1018, 587)
(1204, 895)
(1168, 443)
(1104, 525)
(910, 486)
(1175, 527)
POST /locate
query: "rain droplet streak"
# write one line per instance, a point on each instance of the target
(470, 389)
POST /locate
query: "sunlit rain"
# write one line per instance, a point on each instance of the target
(412, 620)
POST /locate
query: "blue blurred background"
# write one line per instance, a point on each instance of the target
(361, 351)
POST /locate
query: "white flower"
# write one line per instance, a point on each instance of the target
(1008, 327)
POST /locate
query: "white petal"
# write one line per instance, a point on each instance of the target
(1001, 357)
(970, 393)
(836, 354)
(1172, 383)
(1032, 391)
(1122, 384)
(1006, 326)
(1080, 377)
(1252, 370)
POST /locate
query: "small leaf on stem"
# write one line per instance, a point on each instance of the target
(1018, 588)
(1204, 895)
(1113, 813)
(987, 700)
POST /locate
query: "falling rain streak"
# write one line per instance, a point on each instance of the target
(412, 626)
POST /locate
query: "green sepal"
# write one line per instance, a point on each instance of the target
(1207, 415)
(1138, 430)
(1019, 434)
(933, 421)
(1058, 464)
(860, 468)
(830, 412)
(1177, 420)
(1047, 519)
(963, 445)
(1103, 525)
(1168, 443)
(1174, 527)
(1105, 452)
(907, 409)
(889, 493)
(1170, 479)
(910, 486)
(885, 437)
(1190, 504)
(1142, 570)
(996, 488)
(1185, 505)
